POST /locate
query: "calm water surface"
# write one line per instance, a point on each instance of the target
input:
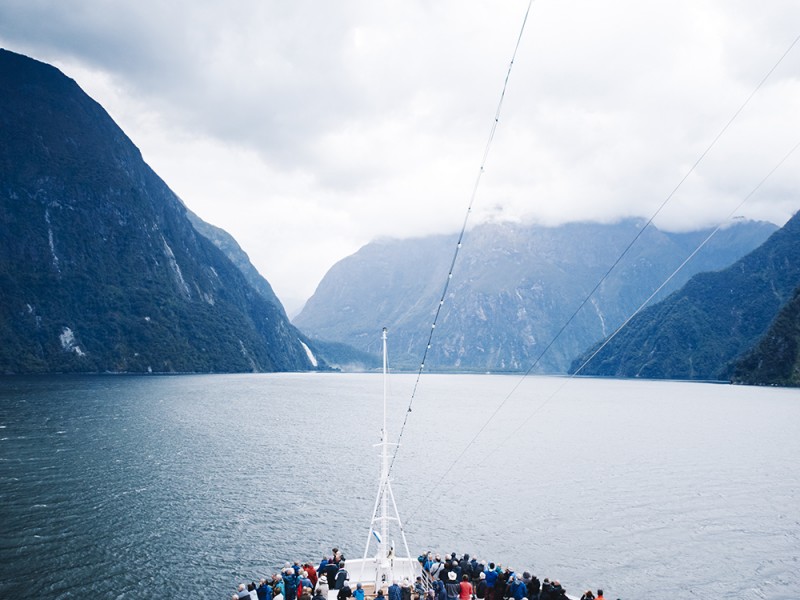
(131, 487)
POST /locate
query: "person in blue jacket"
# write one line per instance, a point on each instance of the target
(394, 592)
(290, 582)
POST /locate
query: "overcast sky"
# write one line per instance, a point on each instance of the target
(306, 129)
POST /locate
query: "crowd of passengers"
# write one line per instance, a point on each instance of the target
(448, 578)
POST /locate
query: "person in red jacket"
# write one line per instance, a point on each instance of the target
(311, 572)
(465, 593)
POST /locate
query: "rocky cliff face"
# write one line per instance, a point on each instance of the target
(100, 268)
(513, 289)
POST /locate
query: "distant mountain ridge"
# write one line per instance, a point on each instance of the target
(513, 288)
(706, 329)
(100, 268)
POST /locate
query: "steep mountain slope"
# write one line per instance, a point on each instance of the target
(100, 268)
(231, 248)
(775, 360)
(699, 330)
(513, 288)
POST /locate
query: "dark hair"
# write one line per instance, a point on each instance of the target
(465, 578)
(599, 592)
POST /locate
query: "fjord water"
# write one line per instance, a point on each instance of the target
(133, 487)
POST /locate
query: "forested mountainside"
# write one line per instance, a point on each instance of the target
(513, 288)
(775, 360)
(702, 330)
(100, 267)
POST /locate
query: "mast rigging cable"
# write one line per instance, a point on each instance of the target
(663, 204)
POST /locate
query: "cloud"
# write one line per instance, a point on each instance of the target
(306, 129)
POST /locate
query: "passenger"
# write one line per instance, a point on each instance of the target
(440, 593)
(311, 572)
(318, 595)
(341, 576)
(501, 584)
(305, 583)
(243, 593)
(330, 571)
(359, 593)
(344, 592)
(263, 590)
(534, 586)
(491, 579)
(291, 582)
(588, 595)
(558, 592)
(547, 589)
(480, 589)
(475, 569)
(465, 593)
(405, 589)
(426, 564)
(277, 586)
(394, 592)
(517, 589)
(456, 568)
(436, 567)
(419, 589)
(322, 587)
(464, 567)
(452, 587)
(599, 595)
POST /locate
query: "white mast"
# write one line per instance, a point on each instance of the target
(384, 459)
(387, 566)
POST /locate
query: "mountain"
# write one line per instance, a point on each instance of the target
(100, 267)
(775, 360)
(701, 330)
(514, 286)
(231, 248)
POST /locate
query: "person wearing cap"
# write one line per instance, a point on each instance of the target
(405, 589)
(480, 587)
(322, 587)
(358, 594)
(452, 586)
(344, 592)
